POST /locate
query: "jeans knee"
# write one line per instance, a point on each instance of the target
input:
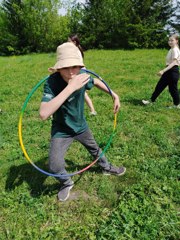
(56, 167)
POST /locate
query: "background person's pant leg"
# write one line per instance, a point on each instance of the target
(173, 85)
(161, 85)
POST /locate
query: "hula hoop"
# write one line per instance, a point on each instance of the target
(21, 138)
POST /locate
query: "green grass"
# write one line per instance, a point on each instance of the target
(143, 204)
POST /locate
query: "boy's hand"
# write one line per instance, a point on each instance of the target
(78, 81)
(117, 104)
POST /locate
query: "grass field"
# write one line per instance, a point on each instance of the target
(144, 204)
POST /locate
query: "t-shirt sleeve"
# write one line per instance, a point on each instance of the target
(47, 94)
(175, 54)
(90, 84)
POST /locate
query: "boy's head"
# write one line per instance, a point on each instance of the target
(68, 55)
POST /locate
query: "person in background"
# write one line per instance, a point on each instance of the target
(169, 75)
(63, 97)
(75, 39)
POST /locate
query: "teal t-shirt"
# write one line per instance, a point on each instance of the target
(69, 119)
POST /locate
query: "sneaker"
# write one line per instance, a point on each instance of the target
(174, 106)
(93, 113)
(64, 192)
(146, 102)
(115, 171)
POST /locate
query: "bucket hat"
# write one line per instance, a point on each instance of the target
(67, 56)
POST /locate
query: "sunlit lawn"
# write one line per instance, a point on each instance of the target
(142, 204)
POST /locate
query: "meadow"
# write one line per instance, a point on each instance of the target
(144, 204)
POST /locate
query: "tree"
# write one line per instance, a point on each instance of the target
(122, 24)
(11, 12)
(45, 28)
(175, 20)
(101, 22)
(148, 19)
(32, 26)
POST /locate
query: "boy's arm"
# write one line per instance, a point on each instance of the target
(99, 84)
(48, 108)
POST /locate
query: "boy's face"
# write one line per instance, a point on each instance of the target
(69, 72)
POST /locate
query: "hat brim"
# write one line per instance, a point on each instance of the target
(66, 63)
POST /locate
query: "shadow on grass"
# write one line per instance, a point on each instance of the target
(36, 180)
(28, 174)
(136, 102)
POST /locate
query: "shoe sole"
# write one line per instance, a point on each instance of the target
(172, 107)
(145, 104)
(120, 174)
(63, 200)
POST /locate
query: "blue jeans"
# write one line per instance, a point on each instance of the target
(59, 146)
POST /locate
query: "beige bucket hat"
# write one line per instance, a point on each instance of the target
(67, 56)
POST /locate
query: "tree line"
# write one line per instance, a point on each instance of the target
(38, 26)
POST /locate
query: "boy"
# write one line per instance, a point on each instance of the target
(64, 99)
